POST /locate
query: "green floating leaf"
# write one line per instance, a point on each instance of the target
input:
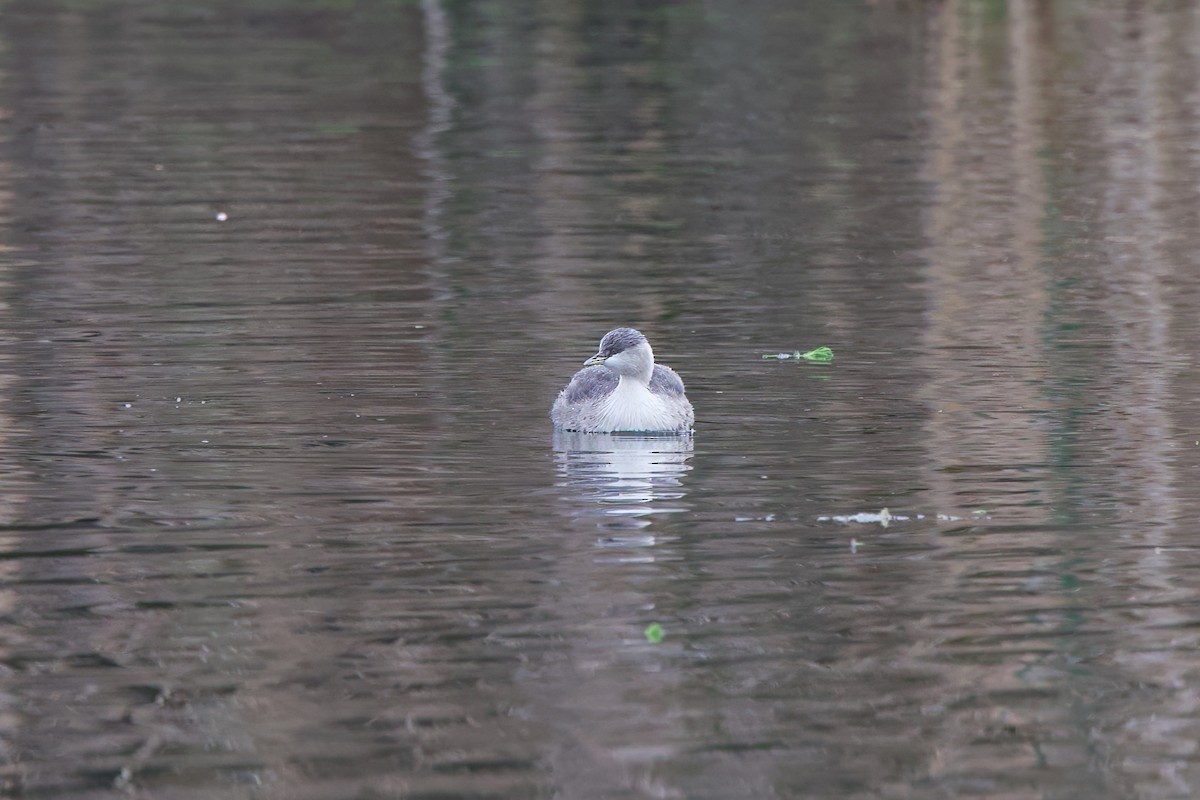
(654, 633)
(820, 354)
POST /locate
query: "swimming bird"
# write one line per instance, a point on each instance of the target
(621, 389)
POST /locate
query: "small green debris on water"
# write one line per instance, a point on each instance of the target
(654, 633)
(821, 354)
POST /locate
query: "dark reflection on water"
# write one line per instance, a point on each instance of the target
(288, 289)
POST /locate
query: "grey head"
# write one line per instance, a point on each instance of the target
(626, 352)
(619, 340)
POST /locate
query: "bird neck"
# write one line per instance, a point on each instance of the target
(640, 364)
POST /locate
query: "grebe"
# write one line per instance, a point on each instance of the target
(621, 389)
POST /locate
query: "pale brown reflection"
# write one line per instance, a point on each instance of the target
(1002, 393)
(1147, 68)
(575, 204)
(985, 287)
(987, 303)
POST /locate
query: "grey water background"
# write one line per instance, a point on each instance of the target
(281, 512)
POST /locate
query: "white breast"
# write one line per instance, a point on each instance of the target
(631, 407)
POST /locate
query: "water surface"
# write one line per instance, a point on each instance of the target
(288, 289)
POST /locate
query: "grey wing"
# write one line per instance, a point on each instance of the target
(590, 383)
(665, 381)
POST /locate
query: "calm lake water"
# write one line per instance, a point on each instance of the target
(287, 289)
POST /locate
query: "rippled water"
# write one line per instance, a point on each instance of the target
(288, 289)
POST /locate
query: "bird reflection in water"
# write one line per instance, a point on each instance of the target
(624, 480)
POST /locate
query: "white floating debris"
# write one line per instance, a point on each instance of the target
(882, 518)
(885, 517)
(178, 399)
(854, 545)
(129, 405)
(222, 216)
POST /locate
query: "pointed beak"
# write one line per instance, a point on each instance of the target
(595, 360)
